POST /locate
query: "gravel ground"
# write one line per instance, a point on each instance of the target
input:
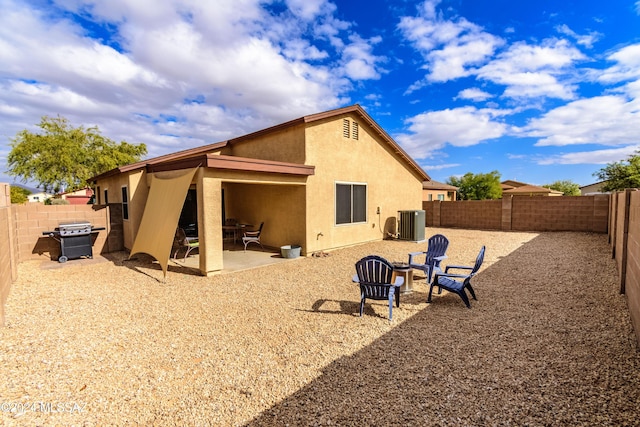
(549, 342)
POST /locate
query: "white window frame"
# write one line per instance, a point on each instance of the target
(335, 203)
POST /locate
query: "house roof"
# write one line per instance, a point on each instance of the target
(530, 189)
(595, 183)
(175, 158)
(509, 183)
(234, 163)
(82, 192)
(506, 187)
(435, 185)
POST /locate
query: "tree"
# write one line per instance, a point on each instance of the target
(19, 194)
(568, 188)
(620, 175)
(477, 186)
(62, 157)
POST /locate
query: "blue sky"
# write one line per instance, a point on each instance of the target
(539, 91)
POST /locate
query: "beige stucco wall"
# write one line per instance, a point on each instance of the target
(138, 193)
(448, 196)
(280, 207)
(391, 185)
(137, 189)
(286, 145)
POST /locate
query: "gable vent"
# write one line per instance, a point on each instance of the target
(345, 128)
(354, 130)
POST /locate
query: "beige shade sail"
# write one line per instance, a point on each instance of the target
(160, 217)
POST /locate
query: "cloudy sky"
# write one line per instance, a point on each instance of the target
(539, 91)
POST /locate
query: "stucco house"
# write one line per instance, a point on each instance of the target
(591, 189)
(39, 197)
(321, 181)
(434, 190)
(78, 197)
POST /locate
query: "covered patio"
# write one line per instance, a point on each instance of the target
(234, 258)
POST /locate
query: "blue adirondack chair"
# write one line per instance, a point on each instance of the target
(457, 283)
(436, 250)
(374, 274)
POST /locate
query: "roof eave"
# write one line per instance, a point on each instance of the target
(244, 164)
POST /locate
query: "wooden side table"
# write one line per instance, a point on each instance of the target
(403, 270)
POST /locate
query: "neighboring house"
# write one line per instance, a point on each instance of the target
(39, 197)
(78, 197)
(530, 190)
(591, 189)
(510, 184)
(321, 181)
(434, 190)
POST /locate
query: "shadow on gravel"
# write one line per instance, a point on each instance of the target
(547, 343)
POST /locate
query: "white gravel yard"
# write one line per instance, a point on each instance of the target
(549, 342)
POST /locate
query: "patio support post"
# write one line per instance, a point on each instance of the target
(209, 191)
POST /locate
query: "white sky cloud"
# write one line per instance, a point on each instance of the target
(360, 63)
(627, 65)
(535, 70)
(584, 40)
(307, 9)
(440, 167)
(460, 127)
(448, 47)
(181, 73)
(458, 48)
(607, 120)
(474, 94)
(239, 59)
(596, 157)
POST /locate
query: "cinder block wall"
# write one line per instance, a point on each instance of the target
(21, 238)
(472, 214)
(625, 239)
(619, 232)
(632, 283)
(584, 213)
(32, 219)
(8, 248)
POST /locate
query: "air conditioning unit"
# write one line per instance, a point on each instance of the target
(411, 225)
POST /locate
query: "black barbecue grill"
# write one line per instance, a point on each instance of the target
(75, 239)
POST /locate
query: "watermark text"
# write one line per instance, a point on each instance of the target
(41, 406)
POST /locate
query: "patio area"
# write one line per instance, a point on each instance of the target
(234, 258)
(549, 341)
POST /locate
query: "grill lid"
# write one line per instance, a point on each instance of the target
(74, 228)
